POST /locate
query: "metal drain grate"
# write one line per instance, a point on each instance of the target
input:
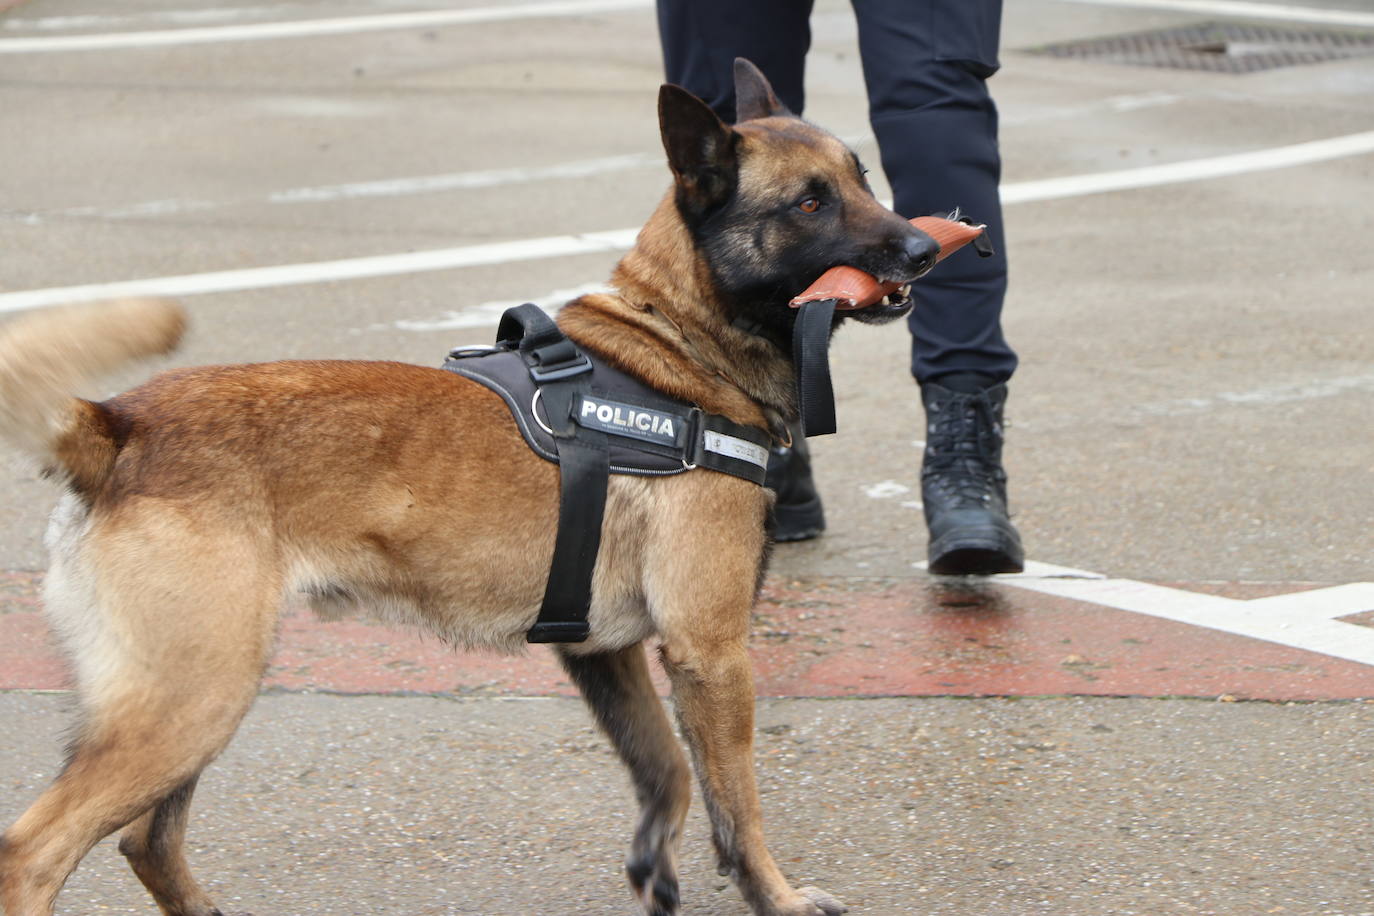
(1218, 47)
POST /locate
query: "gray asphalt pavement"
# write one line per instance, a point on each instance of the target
(1129, 807)
(1195, 405)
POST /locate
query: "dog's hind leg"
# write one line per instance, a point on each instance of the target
(622, 698)
(136, 760)
(167, 655)
(153, 846)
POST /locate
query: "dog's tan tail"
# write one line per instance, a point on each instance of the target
(45, 357)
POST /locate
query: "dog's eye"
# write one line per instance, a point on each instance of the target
(809, 205)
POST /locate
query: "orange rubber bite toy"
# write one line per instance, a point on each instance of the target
(851, 288)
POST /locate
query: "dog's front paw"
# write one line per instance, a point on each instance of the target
(824, 904)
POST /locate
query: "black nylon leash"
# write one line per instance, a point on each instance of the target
(811, 359)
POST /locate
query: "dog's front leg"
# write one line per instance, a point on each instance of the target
(617, 687)
(713, 689)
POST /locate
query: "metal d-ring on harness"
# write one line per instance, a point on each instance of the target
(594, 421)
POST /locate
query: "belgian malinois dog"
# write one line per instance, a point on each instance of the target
(196, 502)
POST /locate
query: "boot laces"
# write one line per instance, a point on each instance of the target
(963, 450)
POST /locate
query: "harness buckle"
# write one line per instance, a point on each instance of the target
(562, 369)
(473, 350)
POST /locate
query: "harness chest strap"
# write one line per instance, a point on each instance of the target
(593, 421)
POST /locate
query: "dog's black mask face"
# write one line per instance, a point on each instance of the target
(775, 202)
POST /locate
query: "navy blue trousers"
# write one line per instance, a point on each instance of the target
(926, 65)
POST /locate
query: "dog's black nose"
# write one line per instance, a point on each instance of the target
(921, 251)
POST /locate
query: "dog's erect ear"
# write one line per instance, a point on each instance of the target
(700, 147)
(754, 96)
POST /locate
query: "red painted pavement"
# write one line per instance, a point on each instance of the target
(815, 638)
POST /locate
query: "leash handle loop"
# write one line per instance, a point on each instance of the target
(811, 357)
(526, 327)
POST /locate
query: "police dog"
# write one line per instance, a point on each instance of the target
(196, 502)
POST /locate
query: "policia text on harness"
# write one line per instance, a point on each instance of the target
(593, 421)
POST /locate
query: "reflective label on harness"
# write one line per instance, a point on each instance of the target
(733, 447)
(621, 419)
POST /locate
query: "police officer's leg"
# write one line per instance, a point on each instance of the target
(702, 38)
(926, 63)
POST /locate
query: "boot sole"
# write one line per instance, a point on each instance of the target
(958, 554)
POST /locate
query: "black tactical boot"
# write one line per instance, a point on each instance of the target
(797, 514)
(963, 485)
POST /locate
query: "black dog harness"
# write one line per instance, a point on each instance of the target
(593, 421)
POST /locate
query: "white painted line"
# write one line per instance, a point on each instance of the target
(621, 239)
(455, 181)
(95, 21)
(323, 271)
(1116, 104)
(489, 313)
(1276, 394)
(1330, 603)
(1305, 390)
(885, 489)
(490, 178)
(1244, 9)
(349, 25)
(387, 187)
(1300, 621)
(1191, 170)
(1037, 570)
